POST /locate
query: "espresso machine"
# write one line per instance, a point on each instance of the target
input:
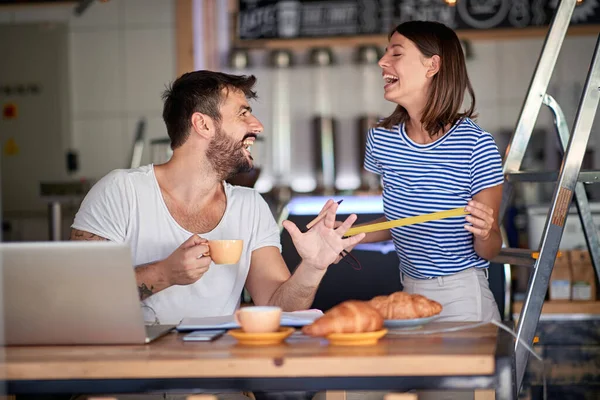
(366, 60)
(324, 124)
(281, 62)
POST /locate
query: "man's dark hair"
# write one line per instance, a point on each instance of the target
(203, 92)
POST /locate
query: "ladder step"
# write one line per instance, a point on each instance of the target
(518, 257)
(551, 176)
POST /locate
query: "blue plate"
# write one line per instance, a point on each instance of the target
(408, 323)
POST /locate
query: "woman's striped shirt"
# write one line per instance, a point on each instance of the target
(425, 178)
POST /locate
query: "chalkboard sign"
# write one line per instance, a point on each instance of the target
(286, 19)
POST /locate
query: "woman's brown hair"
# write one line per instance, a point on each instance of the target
(447, 90)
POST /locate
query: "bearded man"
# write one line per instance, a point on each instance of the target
(168, 212)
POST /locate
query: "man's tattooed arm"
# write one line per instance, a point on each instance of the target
(145, 291)
(150, 279)
(76, 234)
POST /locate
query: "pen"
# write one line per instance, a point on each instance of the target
(318, 218)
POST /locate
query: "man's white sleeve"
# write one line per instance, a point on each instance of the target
(107, 207)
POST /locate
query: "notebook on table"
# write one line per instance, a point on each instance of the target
(294, 319)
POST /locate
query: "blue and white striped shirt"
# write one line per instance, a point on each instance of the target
(425, 178)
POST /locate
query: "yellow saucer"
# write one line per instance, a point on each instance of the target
(261, 339)
(356, 339)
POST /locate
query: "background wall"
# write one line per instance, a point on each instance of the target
(33, 84)
(121, 56)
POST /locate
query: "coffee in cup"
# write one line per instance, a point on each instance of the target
(259, 319)
(225, 251)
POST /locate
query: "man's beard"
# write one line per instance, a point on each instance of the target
(227, 156)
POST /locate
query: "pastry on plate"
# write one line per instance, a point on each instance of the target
(351, 316)
(401, 305)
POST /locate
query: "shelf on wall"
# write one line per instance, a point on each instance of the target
(564, 307)
(380, 40)
(23, 5)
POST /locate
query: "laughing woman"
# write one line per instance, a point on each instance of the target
(433, 157)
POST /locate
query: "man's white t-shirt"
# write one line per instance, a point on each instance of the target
(126, 206)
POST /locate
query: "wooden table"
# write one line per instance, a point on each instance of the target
(478, 358)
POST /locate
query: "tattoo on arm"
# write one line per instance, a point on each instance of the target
(144, 291)
(76, 234)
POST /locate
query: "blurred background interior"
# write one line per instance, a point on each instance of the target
(80, 87)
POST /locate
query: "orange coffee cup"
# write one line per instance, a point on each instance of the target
(259, 319)
(225, 251)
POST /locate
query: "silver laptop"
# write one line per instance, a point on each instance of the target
(71, 293)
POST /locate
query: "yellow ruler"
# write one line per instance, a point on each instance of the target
(406, 221)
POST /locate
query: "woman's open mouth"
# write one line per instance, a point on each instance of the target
(389, 80)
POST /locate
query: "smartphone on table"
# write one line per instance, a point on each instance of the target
(204, 336)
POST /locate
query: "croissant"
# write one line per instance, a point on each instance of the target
(351, 316)
(401, 305)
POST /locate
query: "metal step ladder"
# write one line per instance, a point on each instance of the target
(569, 180)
